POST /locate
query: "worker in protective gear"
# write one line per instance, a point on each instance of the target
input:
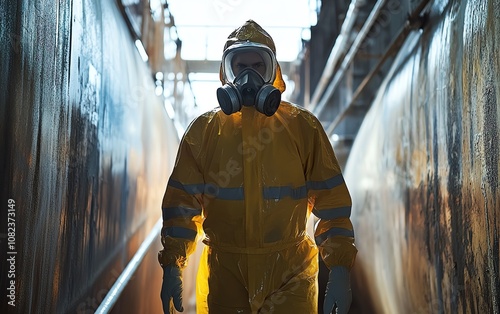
(247, 177)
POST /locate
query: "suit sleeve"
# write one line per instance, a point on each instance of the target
(182, 208)
(331, 202)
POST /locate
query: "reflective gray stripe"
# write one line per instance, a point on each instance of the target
(179, 232)
(279, 192)
(332, 213)
(188, 188)
(232, 194)
(210, 189)
(273, 192)
(333, 232)
(179, 212)
(326, 184)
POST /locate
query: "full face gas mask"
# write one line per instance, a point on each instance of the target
(249, 87)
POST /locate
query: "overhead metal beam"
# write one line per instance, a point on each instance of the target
(339, 49)
(415, 21)
(212, 66)
(316, 108)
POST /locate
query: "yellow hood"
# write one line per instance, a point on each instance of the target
(253, 32)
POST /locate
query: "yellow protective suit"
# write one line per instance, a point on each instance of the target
(250, 182)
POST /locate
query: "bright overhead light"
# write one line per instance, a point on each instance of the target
(204, 31)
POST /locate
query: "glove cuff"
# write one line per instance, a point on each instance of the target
(338, 251)
(339, 272)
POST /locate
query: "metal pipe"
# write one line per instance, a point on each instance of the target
(307, 79)
(350, 56)
(412, 23)
(122, 281)
(339, 48)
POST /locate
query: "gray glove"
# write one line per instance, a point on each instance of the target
(171, 289)
(338, 291)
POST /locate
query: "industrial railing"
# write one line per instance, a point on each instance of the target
(121, 283)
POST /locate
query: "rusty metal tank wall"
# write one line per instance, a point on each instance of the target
(86, 149)
(424, 171)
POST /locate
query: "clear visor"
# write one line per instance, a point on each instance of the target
(232, 64)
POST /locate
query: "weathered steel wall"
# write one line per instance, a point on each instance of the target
(86, 148)
(424, 171)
